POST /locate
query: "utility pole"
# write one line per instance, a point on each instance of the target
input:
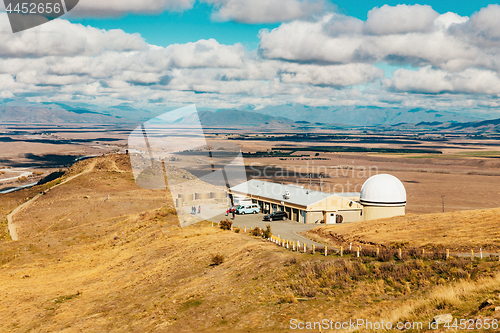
(442, 198)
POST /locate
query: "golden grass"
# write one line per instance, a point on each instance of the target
(123, 264)
(457, 231)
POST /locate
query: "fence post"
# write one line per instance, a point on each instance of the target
(245, 229)
(400, 254)
(423, 252)
(481, 253)
(447, 253)
(287, 245)
(298, 245)
(293, 246)
(314, 247)
(378, 251)
(341, 251)
(357, 252)
(305, 248)
(326, 250)
(212, 224)
(472, 254)
(350, 246)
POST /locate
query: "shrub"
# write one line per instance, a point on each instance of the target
(225, 225)
(288, 298)
(256, 231)
(237, 230)
(267, 232)
(217, 259)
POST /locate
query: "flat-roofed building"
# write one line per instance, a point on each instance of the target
(301, 204)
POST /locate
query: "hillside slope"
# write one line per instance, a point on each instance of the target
(98, 254)
(458, 231)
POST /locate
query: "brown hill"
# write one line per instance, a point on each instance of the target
(458, 231)
(98, 254)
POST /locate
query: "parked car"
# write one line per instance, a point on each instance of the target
(233, 209)
(248, 209)
(276, 216)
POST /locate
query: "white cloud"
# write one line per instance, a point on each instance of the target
(446, 41)
(400, 19)
(428, 80)
(62, 38)
(101, 8)
(265, 11)
(337, 76)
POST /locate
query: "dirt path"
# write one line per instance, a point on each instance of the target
(10, 217)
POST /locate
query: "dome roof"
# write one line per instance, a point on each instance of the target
(383, 190)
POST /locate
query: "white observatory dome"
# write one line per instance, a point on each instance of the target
(383, 190)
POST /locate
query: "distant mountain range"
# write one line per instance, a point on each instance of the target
(362, 116)
(231, 118)
(284, 116)
(43, 115)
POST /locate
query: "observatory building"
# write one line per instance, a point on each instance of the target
(381, 196)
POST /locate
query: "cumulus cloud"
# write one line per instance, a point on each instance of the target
(336, 76)
(428, 80)
(414, 35)
(400, 19)
(100, 8)
(62, 38)
(265, 11)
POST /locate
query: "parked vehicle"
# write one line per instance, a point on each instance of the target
(248, 209)
(276, 216)
(233, 209)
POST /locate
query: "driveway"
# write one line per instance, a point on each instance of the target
(288, 230)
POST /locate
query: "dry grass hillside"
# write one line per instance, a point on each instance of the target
(457, 231)
(98, 254)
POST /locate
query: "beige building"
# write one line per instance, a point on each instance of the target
(381, 196)
(301, 204)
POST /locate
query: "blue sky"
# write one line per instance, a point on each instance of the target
(195, 24)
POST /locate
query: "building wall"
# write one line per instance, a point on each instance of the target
(312, 217)
(351, 215)
(378, 212)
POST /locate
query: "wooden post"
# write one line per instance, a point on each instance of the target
(357, 252)
(481, 252)
(287, 245)
(341, 251)
(447, 253)
(326, 250)
(378, 251)
(400, 254)
(212, 224)
(472, 254)
(423, 252)
(245, 229)
(305, 248)
(350, 247)
(314, 248)
(293, 246)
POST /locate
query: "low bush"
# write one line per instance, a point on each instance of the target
(225, 225)
(217, 259)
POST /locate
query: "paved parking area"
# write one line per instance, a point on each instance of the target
(285, 229)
